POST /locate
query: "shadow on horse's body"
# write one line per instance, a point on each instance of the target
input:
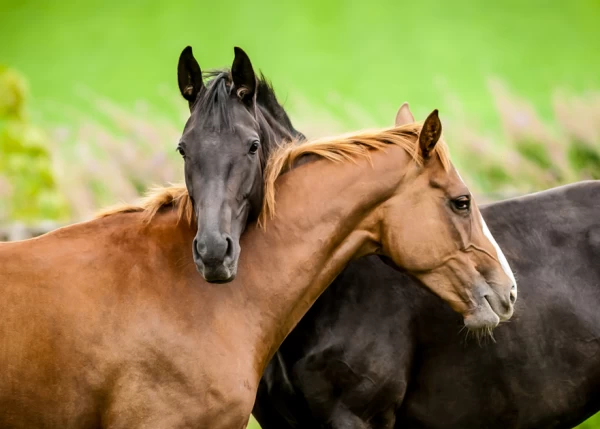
(375, 353)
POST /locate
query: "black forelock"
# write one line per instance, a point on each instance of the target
(212, 106)
(212, 103)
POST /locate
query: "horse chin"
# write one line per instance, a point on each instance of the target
(231, 278)
(218, 275)
(483, 318)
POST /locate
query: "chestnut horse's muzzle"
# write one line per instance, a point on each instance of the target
(492, 308)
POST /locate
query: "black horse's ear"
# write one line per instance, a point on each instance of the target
(243, 76)
(189, 75)
(430, 133)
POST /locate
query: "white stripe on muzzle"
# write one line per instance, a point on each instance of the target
(499, 254)
(501, 257)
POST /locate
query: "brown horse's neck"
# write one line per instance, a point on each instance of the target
(326, 215)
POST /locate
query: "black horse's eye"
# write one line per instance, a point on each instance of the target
(462, 203)
(181, 151)
(254, 147)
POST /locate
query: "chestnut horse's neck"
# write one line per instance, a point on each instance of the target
(326, 216)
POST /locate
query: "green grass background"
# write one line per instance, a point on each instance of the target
(377, 54)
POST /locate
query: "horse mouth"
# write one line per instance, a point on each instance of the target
(482, 317)
(221, 281)
(503, 311)
(217, 275)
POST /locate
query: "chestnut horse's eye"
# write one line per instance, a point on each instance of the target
(462, 203)
(254, 147)
(181, 151)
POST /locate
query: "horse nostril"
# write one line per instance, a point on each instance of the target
(229, 251)
(513, 298)
(195, 249)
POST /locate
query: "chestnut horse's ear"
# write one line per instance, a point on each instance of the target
(404, 116)
(189, 75)
(243, 76)
(430, 133)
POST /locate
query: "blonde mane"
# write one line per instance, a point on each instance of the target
(157, 198)
(345, 148)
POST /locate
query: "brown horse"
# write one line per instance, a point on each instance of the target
(107, 324)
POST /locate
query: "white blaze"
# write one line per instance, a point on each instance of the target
(501, 257)
(499, 254)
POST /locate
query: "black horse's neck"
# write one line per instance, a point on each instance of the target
(278, 125)
(267, 101)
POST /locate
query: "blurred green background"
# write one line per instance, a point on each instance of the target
(90, 111)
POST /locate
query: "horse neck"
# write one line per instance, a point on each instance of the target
(285, 268)
(274, 112)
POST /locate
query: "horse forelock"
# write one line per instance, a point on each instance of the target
(211, 107)
(213, 102)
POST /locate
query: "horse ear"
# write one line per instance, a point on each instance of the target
(189, 75)
(243, 76)
(430, 133)
(404, 116)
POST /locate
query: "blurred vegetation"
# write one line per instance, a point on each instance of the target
(530, 153)
(376, 53)
(591, 423)
(27, 187)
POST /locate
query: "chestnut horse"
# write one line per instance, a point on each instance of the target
(404, 363)
(105, 324)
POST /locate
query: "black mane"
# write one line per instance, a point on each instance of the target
(266, 98)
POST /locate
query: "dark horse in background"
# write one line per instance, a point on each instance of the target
(373, 353)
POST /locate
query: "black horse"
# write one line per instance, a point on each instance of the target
(374, 353)
(235, 122)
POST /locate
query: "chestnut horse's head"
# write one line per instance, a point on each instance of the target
(235, 121)
(450, 248)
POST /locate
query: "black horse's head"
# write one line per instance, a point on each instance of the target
(235, 122)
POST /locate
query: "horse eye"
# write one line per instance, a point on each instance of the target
(462, 203)
(181, 151)
(254, 147)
